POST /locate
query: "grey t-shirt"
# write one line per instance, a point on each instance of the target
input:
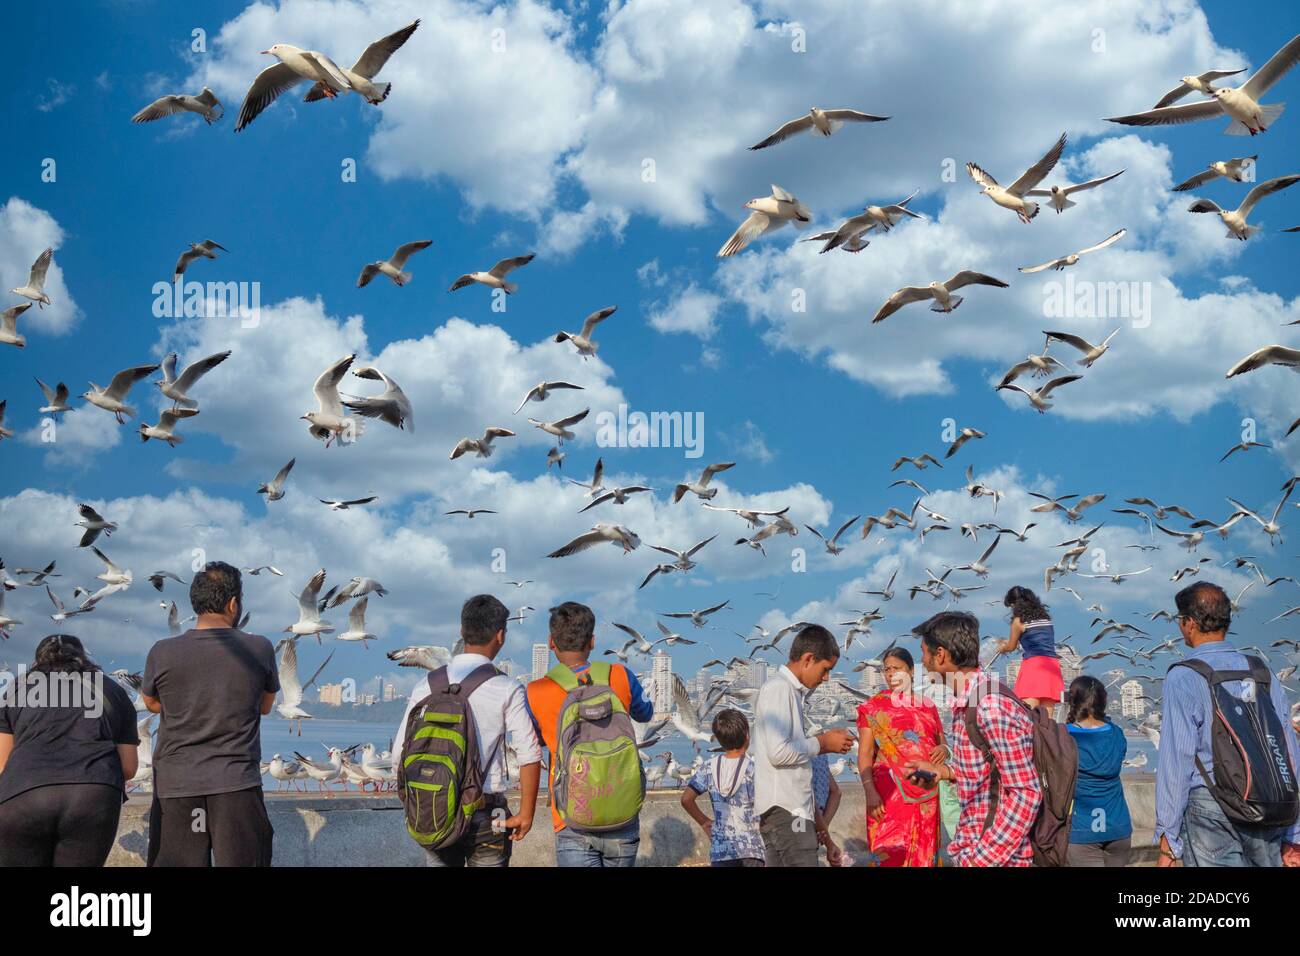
(210, 683)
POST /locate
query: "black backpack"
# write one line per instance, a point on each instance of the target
(1254, 781)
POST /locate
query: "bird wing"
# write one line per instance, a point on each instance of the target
(980, 176)
(169, 417)
(1268, 355)
(505, 265)
(1200, 179)
(904, 296)
(307, 599)
(368, 272)
(405, 252)
(269, 84)
(572, 419)
(1080, 187)
(1273, 70)
(290, 686)
(1171, 115)
(712, 470)
(1027, 270)
(124, 379)
(163, 106)
(785, 132)
(1083, 345)
(1109, 240)
(283, 473)
(581, 543)
(1032, 176)
(593, 320)
(1173, 96)
(197, 370)
(326, 388)
(967, 277)
(755, 224)
(853, 116)
(1265, 189)
(376, 55)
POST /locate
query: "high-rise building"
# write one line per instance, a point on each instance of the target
(1070, 666)
(1132, 705)
(390, 692)
(331, 694)
(661, 680)
(506, 667)
(541, 660)
(872, 680)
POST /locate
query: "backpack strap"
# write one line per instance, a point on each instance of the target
(438, 680)
(981, 743)
(561, 674)
(477, 678)
(600, 672)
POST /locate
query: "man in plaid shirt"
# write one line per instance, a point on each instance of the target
(950, 647)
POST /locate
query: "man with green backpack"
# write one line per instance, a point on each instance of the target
(585, 712)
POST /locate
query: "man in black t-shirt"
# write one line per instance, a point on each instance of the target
(211, 685)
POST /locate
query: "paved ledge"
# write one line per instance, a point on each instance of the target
(367, 830)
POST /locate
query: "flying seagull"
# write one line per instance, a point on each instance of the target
(1268, 355)
(197, 250)
(768, 213)
(274, 489)
(393, 266)
(583, 341)
(35, 287)
(367, 66)
(542, 390)
(1233, 169)
(392, 406)
(328, 423)
(1089, 351)
(294, 66)
(600, 533)
(1012, 197)
(176, 386)
(1202, 83)
(112, 399)
(205, 104)
(1072, 258)
(701, 487)
(495, 278)
(941, 292)
(1058, 197)
(1235, 219)
(481, 446)
(165, 430)
(825, 122)
(9, 326)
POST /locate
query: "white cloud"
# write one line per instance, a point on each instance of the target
(26, 231)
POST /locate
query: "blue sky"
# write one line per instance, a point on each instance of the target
(793, 399)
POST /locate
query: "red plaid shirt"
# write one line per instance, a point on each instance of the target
(1009, 733)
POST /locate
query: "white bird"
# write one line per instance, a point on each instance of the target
(197, 250)
(165, 430)
(683, 560)
(767, 213)
(1269, 527)
(1119, 576)
(60, 612)
(941, 292)
(613, 533)
(849, 233)
(597, 483)
(1090, 352)
(392, 406)
(177, 387)
(495, 278)
(978, 566)
(825, 122)
(1072, 513)
(344, 505)
(357, 587)
(363, 72)
(295, 66)
(481, 446)
(35, 287)
(583, 341)
(392, 267)
(1072, 258)
(322, 773)
(698, 618)
(1202, 83)
(309, 621)
(56, 399)
(560, 429)
(1233, 169)
(205, 104)
(833, 546)
(701, 487)
(9, 325)
(1241, 104)
(470, 512)
(1013, 197)
(965, 435)
(618, 495)
(1190, 538)
(1235, 219)
(555, 457)
(428, 656)
(1040, 365)
(285, 771)
(542, 391)
(94, 523)
(1268, 355)
(1058, 197)
(328, 423)
(357, 625)
(144, 752)
(6, 622)
(1038, 397)
(274, 489)
(112, 399)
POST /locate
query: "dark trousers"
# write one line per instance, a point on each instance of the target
(62, 824)
(1110, 853)
(787, 840)
(480, 845)
(221, 829)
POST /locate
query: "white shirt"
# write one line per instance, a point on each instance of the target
(500, 705)
(782, 753)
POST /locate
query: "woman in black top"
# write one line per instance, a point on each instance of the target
(68, 743)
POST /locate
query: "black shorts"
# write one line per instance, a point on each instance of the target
(221, 829)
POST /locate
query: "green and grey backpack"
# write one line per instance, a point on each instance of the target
(439, 778)
(598, 782)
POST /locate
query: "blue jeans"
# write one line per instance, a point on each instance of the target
(614, 848)
(1211, 839)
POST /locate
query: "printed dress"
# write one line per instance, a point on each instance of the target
(731, 791)
(903, 730)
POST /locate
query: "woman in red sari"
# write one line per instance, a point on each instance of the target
(898, 725)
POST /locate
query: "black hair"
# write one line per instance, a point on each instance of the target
(957, 632)
(572, 626)
(481, 618)
(816, 640)
(900, 654)
(1025, 605)
(215, 587)
(62, 653)
(1207, 604)
(1087, 698)
(731, 729)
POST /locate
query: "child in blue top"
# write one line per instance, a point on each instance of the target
(728, 779)
(1100, 828)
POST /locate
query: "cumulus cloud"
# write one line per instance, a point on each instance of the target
(26, 231)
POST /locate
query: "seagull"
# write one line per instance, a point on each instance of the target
(1119, 576)
(941, 292)
(392, 267)
(291, 689)
(1074, 513)
(6, 622)
(978, 566)
(35, 287)
(1235, 219)
(698, 618)
(919, 462)
(363, 71)
(888, 593)
(583, 341)
(495, 278)
(205, 104)
(165, 430)
(60, 612)
(309, 621)
(1039, 365)
(38, 576)
(1268, 355)
(1244, 446)
(768, 213)
(1072, 258)
(470, 512)
(1162, 511)
(294, 66)
(613, 533)
(555, 457)
(1269, 527)
(596, 485)
(825, 122)
(616, 495)
(274, 489)
(752, 516)
(197, 250)
(392, 406)
(560, 429)
(56, 399)
(542, 390)
(9, 326)
(701, 487)
(1090, 352)
(328, 423)
(963, 437)
(1038, 397)
(427, 656)
(111, 399)
(481, 446)
(158, 577)
(832, 546)
(345, 505)
(94, 523)
(849, 233)
(1012, 197)
(672, 639)
(1058, 196)
(642, 645)
(176, 387)
(357, 625)
(265, 567)
(1203, 83)
(1241, 104)
(1233, 169)
(1190, 538)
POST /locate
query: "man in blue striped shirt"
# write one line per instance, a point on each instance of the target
(1190, 824)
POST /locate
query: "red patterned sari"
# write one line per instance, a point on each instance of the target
(903, 730)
